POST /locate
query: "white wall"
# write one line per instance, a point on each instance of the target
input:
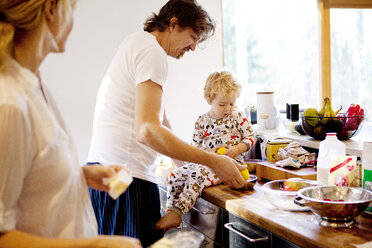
(99, 26)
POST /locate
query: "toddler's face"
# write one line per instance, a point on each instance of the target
(222, 106)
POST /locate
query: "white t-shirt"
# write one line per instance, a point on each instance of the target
(42, 187)
(139, 58)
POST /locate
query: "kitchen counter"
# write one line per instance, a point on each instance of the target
(299, 228)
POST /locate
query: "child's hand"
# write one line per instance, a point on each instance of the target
(232, 152)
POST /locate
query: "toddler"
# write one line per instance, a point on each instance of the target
(222, 126)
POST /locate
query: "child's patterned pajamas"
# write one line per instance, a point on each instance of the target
(185, 184)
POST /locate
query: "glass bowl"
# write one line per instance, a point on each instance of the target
(345, 127)
(280, 193)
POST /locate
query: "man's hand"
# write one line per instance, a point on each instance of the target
(228, 170)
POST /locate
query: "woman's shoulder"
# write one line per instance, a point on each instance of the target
(15, 85)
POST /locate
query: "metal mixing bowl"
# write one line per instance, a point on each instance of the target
(281, 197)
(335, 204)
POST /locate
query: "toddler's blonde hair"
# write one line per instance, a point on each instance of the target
(222, 82)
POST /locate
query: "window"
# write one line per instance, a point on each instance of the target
(272, 45)
(351, 57)
(303, 50)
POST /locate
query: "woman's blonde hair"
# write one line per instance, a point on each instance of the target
(19, 15)
(223, 83)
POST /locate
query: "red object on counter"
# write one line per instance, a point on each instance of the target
(354, 110)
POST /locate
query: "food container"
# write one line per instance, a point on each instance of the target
(335, 206)
(251, 181)
(280, 193)
(273, 146)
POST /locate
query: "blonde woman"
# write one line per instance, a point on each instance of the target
(222, 126)
(44, 199)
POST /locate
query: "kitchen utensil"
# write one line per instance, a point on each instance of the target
(335, 206)
(281, 193)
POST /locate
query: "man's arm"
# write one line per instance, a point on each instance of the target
(151, 132)
(166, 123)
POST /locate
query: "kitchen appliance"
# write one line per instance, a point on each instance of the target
(267, 115)
(334, 206)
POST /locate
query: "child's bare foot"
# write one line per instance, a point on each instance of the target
(168, 222)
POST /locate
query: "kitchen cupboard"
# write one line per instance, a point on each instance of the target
(224, 229)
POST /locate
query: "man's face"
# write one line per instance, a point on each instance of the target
(182, 41)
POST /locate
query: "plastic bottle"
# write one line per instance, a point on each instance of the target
(328, 149)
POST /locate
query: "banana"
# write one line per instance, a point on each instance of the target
(327, 110)
(325, 117)
(323, 109)
(332, 113)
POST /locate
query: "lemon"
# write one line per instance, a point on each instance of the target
(245, 173)
(221, 150)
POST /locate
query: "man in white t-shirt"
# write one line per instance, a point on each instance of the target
(130, 125)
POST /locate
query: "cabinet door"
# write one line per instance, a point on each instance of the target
(207, 219)
(242, 233)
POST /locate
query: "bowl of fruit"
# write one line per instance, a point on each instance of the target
(318, 123)
(280, 193)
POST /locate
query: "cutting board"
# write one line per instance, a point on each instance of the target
(268, 170)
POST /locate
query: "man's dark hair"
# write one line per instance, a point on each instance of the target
(188, 13)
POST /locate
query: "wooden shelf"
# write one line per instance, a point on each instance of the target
(354, 146)
(268, 170)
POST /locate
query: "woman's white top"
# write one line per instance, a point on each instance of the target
(139, 58)
(42, 187)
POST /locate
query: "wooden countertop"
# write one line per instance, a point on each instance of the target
(299, 228)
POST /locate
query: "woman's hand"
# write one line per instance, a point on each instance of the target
(117, 241)
(95, 173)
